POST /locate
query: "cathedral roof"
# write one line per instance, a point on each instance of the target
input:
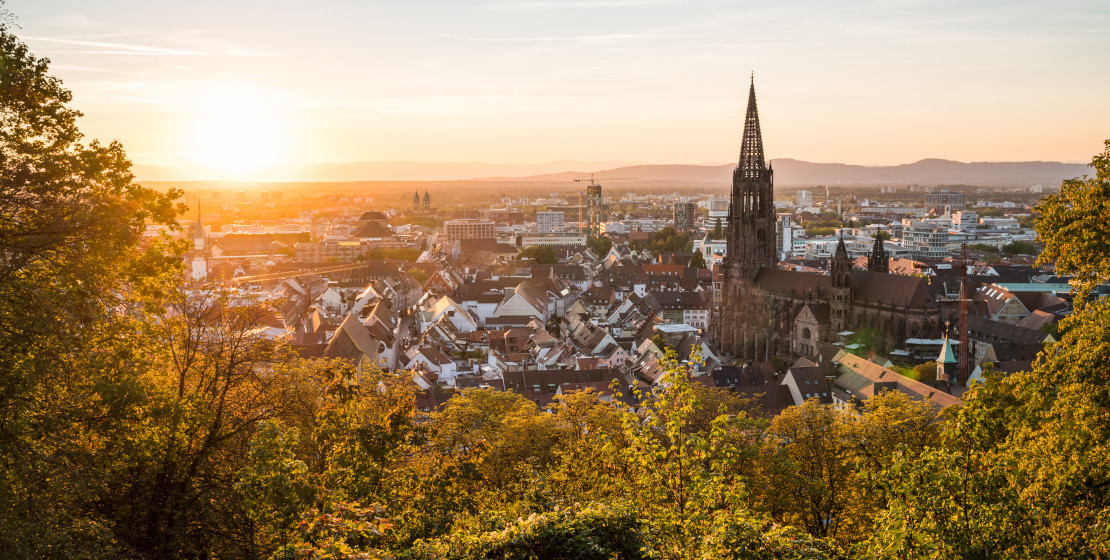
(792, 284)
(869, 287)
(890, 289)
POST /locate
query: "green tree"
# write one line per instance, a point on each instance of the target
(74, 261)
(1025, 464)
(1019, 248)
(809, 469)
(718, 232)
(542, 254)
(1072, 225)
(600, 245)
(697, 261)
(983, 248)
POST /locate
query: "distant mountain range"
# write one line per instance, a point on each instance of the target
(792, 172)
(788, 172)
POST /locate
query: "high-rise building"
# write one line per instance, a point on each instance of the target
(589, 222)
(784, 236)
(547, 222)
(683, 216)
(804, 199)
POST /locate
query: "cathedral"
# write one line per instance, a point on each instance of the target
(768, 311)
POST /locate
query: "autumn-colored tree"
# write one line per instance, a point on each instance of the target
(72, 221)
(1072, 225)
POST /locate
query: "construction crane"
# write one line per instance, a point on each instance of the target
(963, 372)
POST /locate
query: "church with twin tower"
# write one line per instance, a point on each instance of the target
(767, 311)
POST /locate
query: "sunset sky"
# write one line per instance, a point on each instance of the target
(229, 89)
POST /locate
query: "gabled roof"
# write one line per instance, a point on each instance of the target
(863, 378)
(351, 341)
(530, 293)
(1037, 319)
(986, 330)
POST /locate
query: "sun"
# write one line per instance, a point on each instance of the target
(235, 135)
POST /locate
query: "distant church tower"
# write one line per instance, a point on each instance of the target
(840, 303)
(742, 326)
(416, 200)
(200, 236)
(878, 261)
(427, 201)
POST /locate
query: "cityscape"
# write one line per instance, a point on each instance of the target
(244, 351)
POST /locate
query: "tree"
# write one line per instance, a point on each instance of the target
(1019, 248)
(718, 231)
(697, 261)
(1074, 229)
(600, 245)
(1025, 465)
(982, 247)
(926, 371)
(73, 264)
(809, 464)
(594, 532)
(542, 254)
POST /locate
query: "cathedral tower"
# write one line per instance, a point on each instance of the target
(751, 213)
(743, 323)
(878, 261)
(840, 302)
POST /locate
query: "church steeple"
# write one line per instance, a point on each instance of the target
(751, 230)
(841, 266)
(751, 147)
(878, 261)
(840, 269)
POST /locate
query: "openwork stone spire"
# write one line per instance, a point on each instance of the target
(878, 261)
(751, 148)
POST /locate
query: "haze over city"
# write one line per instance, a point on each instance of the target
(251, 90)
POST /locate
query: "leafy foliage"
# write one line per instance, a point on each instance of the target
(666, 240)
(600, 245)
(1073, 227)
(542, 254)
(698, 260)
(1019, 248)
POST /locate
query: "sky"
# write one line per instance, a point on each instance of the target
(233, 88)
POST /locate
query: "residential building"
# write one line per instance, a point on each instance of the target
(683, 216)
(470, 229)
(548, 222)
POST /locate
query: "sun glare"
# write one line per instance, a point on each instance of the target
(233, 136)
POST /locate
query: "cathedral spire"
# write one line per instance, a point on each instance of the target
(878, 261)
(751, 148)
